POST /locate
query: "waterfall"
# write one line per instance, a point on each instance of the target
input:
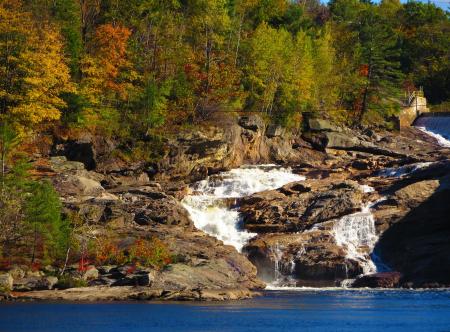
(356, 232)
(437, 127)
(208, 205)
(283, 269)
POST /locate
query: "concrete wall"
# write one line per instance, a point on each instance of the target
(409, 113)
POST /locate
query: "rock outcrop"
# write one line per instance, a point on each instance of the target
(379, 280)
(298, 206)
(416, 242)
(296, 242)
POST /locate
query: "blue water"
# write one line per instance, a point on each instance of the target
(277, 311)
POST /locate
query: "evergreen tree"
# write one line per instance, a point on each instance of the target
(380, 64)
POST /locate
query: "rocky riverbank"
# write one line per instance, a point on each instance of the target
(406, 173)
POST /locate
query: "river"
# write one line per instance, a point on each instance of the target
(305, 310)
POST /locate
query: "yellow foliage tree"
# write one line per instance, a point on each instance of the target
(33, 70)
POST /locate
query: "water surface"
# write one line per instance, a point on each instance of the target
(312, 310)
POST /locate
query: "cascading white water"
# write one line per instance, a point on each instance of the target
(356, 232)
(403, 170)
(208, 210)
(437, 127)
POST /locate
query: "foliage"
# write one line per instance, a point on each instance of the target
(68, 281)
(33, 72)
(149, 253)
(127, 68)
(30, 209)
(152, 253)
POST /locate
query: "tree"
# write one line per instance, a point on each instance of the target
(33, 72)
(43, 213)
(425, 34)
(325, 75)
(11, 213)
(153, 104)
(68, 14)
(270, 67)
(380, 61)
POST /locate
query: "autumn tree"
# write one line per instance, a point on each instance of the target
(101, 69)
(33, 72)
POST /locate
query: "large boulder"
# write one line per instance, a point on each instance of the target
(295, 207)
(379, 280)
(315, 124)
(89, 149)
(139, 278)
(310, 258)
(32, 283)
(416, 244)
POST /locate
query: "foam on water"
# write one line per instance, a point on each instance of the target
(403, 170)
(442, 140)
(206, 204)
(437, 127)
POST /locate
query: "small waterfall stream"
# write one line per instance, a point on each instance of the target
(209, 205)
(356, 232)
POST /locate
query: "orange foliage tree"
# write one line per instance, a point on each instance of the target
(102, 68)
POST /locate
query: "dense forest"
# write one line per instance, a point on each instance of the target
(130, 67)
(138, 70)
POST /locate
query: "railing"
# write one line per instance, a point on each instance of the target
(410, 96)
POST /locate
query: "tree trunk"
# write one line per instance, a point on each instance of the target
(366, 93)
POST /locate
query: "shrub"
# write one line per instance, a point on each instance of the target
(152, 253)
(107, 252)
(68, 281)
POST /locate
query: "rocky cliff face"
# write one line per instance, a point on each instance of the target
(296, 224)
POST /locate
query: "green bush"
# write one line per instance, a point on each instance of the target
(68, 281)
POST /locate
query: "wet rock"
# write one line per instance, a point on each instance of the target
(416, 243)
(309, 259)
(298, 206)
(379, 280)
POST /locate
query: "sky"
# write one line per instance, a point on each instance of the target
(444, 4)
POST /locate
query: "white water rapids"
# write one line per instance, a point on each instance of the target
(437, 127)
(211, 214)
(211, 208)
